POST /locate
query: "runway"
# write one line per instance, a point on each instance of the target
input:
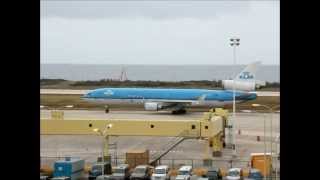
(81, 92)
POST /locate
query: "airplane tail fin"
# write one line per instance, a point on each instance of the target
(248, 74)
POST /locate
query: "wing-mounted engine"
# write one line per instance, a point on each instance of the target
(152, 106)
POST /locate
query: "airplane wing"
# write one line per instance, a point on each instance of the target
(177, 104)
(171, 101)
(200, 99)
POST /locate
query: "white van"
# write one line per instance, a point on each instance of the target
(161, 173)
(185, 173)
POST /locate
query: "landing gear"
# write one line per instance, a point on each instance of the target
(107, 109)
(180, 111)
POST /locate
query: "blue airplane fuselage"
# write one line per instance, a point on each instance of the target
(192, 96)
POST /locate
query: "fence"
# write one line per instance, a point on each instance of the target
(172, 163)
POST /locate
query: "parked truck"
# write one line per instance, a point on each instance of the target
(161, 173)
(69, 167)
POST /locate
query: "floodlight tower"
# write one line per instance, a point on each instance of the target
(234, 42)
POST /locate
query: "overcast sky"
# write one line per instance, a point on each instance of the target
(163, 32)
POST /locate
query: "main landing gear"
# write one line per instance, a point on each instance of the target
(106, 109)
(179, 111)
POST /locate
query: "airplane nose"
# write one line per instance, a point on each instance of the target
(84, 96)
(87, 95)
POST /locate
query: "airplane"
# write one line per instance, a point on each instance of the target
(177, 100)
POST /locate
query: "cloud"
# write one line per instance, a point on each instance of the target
(130, 33)
(138, 9)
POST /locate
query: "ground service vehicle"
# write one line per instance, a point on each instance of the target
(121, 172)
(161, 173)
(254, 174)
(234, 174)
(141, 172)
(185, 173)
(69, 167)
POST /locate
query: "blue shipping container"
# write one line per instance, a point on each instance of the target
(68, 167)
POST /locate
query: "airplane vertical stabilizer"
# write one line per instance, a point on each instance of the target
(249, 73)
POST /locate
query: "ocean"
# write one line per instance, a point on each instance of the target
(82, 72)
